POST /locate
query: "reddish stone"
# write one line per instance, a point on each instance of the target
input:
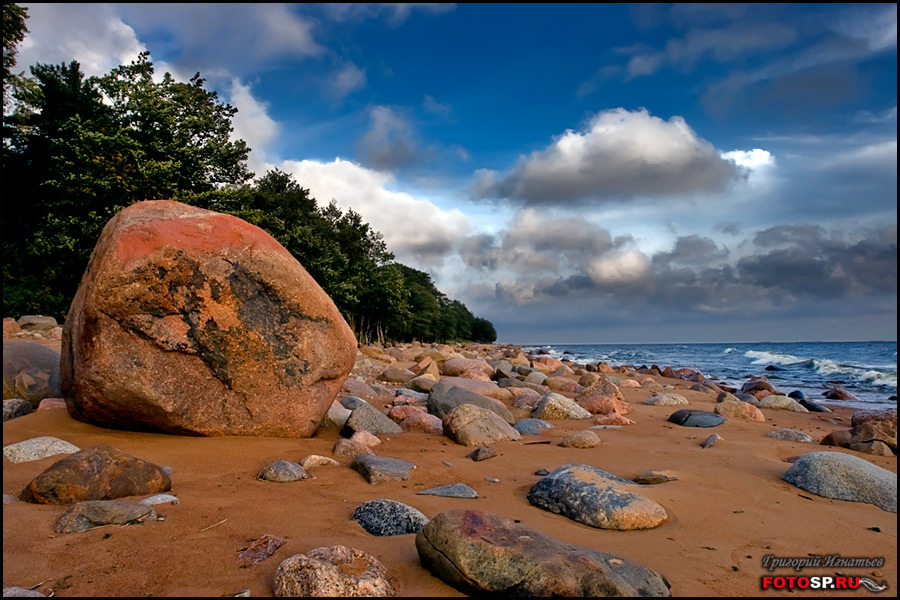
(48, 403)
(193, 322)
(96, 473)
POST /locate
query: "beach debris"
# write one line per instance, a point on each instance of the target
(377, 469)
(16, 407)
(37, 448)
(334, 571)
(556, 407)
(691, 417)
(30, 371)
(791, 435)
(471, 425)
(241, 339)
(844, 477)
(524, 562)
(482, 453)
(282, 471)
(735, 409)
(581, 439)
(96, 473)
(89, 514)
(384, 517)
(456, 490)
(260, 550)
(529, 426)
(597, 498)
(668, 399)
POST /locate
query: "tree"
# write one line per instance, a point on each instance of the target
(14, 31)
(81, 149)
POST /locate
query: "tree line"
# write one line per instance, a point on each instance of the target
(77, 149)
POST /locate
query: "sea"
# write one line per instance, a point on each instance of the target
(867, 369)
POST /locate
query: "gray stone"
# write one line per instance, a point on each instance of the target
(443, 400)
(472, 425)
(20, 592)
(352, 402)
(30, 371)
(282, 471)
(383, 517)
(653, 478)
(791, 435)
(160, 499)
(580, 439)
(37, 323)
(779, 402)
(844, 477)
(669, 399)
(596, 498)
(556, 407)
(16, 407)
(810, 405)
(483, 554)
(37, 448)
(456, 490)
(366, 417)
(377, 469)
(711, 440)
(531, 426)
(335, 571)
(93, 513)
(482, 453)
(690, 417)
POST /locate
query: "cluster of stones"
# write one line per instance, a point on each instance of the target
(192, 322)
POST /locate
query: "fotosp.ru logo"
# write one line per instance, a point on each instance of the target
(820, 582)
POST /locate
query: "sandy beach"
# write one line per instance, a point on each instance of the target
(728, 506)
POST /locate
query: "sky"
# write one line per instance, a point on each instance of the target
(591, 173)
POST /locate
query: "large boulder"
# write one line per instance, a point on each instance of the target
(30, 371)
(483, 554)
(189, 321)
(844, 477)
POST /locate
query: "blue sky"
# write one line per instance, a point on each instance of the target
(574, 173)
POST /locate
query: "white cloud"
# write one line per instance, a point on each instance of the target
(620, 154)
(224, 40)
(348, 80)
(626, 267)
(416, 230)
(252, 124)
(92, 34)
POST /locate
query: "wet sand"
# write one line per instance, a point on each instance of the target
(728, 507)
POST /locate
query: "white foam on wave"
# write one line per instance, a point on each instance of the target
(729, 350)
(879, 378)
(773, 358)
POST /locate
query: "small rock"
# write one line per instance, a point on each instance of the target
(580, 439)
(314, 460)
(791, 435)
(93, 513)
(711, 440)
(456, 490)
(377, 469)
(260, 550)
(336, 571)
(282, 471)
(383, 517)
(37, 448)
(159, 499)
(482, 453)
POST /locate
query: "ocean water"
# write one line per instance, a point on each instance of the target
(867, 369)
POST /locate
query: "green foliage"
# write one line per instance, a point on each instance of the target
(14, 31)
(77, 150)
(72, 160)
